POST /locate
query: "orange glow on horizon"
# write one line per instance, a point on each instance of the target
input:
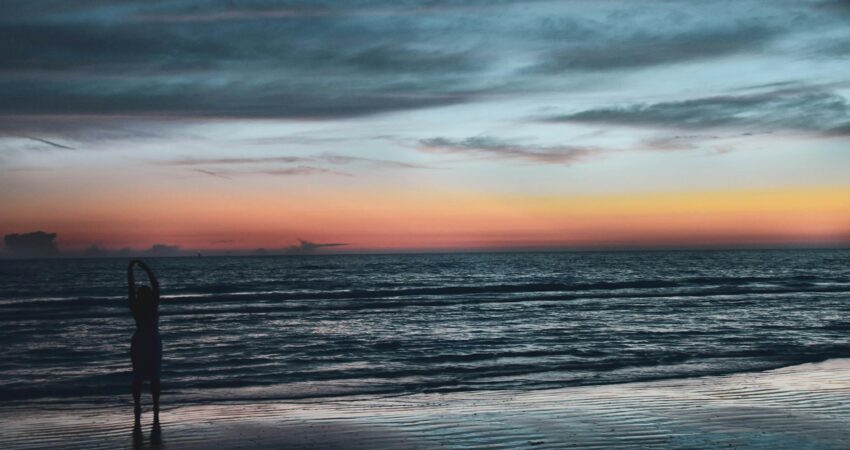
(445, 220)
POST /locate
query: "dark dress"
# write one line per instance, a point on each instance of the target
(146, 347)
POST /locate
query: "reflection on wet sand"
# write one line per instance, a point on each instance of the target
(155, 440)
(804, 406)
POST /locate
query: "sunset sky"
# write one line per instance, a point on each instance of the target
(434, 125)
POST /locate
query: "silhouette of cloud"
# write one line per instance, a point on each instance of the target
(791, 109)
(304, 247)
(96, 251)
(494, 148)
(31, 245)
(163, 250)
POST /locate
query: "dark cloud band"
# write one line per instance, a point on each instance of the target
(791, 109)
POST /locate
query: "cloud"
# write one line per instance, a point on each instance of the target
(83, 129)
(841, 130)
(213, 174)
(229, 174)
(31, 245)
(96, 251)
(839, 48)
(233, 161)
(840, 6)
(325, 158)
(163, 250)
(494, 148)
(337, 60)
(200, 99)
(233, 14)
(354, 9)
(791, 109)
(104, 61)
(66, 65)
(301, 170)
(720, 143)
(14, 142)
(51, 143)
(643, 48)
(678, 142)
(306, 247)
(344, 159)
(227, 171)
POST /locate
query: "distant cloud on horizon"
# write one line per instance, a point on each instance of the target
(31, 245)
(40, 244)
(305, 247)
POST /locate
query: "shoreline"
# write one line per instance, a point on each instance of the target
(800, 406)
(225, 397)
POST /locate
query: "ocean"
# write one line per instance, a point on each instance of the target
(320, 326)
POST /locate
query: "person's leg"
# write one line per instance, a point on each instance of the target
(155, 394)
(137, 398)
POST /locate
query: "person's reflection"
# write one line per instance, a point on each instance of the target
(138, 438)
(155, 436)
(156, 433)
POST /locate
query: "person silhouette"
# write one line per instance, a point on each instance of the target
(146, 345)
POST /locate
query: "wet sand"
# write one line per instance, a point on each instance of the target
(799, 407)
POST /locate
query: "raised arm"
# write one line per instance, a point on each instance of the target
(131, 281)
(152, 278)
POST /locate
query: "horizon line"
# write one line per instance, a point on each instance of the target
(378, 252)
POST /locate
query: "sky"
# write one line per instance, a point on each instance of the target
(426, 125)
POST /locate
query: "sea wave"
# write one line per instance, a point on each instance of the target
(316, 327)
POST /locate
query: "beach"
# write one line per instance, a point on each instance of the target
(805, 406)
